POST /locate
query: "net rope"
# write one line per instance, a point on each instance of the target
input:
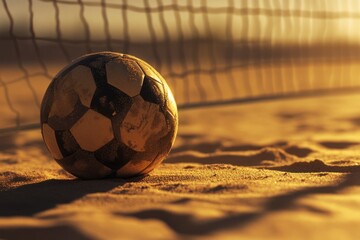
(210, 52)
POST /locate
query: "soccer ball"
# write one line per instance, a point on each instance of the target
(108, 114)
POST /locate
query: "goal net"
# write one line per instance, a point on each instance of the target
(209, 51)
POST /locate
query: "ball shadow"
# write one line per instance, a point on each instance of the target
(30, 199)
(47, 232)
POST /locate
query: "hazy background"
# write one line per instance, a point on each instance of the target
(287, 19)
(207, 50)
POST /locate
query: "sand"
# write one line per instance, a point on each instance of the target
(275, 170)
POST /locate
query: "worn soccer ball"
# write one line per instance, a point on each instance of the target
(108, 114)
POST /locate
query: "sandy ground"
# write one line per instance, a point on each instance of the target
(276, 170)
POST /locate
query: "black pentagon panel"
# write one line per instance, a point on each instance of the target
(65, 123)
(114, 155)
(152, 91)
(111, 102)
(127, 153)
(99, 72)
(170, 104)
(83, 164)
(47, 102)
(108, 155)
(66, 142)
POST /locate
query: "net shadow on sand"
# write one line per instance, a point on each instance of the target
(30, 199)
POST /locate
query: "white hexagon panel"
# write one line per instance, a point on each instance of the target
(84, 84)
(148, 70)
(92, 131)
(125, 75)
(144, 124)
(50, 141)
(77, 84)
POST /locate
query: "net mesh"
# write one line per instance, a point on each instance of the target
(208, 51)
